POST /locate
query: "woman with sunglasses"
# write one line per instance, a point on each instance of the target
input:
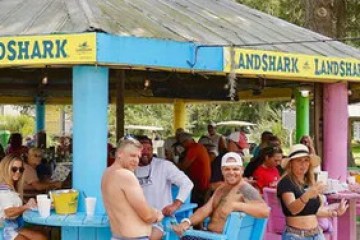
(11, 205)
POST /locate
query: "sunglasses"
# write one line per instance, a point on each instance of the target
(17, 169)
(146, 180)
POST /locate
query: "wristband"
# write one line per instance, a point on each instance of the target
(186, 220)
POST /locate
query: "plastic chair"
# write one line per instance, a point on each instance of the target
(186, 209)
(238, 226)
(167, 223)
(276, 223)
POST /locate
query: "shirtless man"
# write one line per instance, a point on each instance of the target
(130, 215)
(235, 194)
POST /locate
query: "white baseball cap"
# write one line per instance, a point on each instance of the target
(231, 159)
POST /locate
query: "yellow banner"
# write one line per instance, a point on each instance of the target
(48, 49)
(291, 66)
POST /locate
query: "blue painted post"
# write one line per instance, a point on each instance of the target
(90, 101)
(40, 114)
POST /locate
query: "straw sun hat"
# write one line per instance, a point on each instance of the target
(300, 150)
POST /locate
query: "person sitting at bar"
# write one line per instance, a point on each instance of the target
(31, 179)
(234, 195)
(11, 204)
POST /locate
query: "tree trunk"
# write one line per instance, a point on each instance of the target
(327, 17)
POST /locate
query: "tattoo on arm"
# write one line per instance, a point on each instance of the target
(249, 193)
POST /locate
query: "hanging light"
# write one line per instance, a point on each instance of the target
(44, 80)
(305, 92)
(147, 81)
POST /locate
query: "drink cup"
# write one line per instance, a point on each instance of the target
(41, 196)
(322, 176)
(44, 205)
(351, 180)
(90, 203)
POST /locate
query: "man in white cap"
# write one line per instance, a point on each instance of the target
(237, 142)
(235, 194)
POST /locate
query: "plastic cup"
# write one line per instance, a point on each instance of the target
(351, 180)
(90, 203)
(41, 196)
(322, 176)
(44, 205)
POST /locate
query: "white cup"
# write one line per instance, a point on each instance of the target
(90, 203)
(41, 196)
(351, 180)
(44, 205)
(322, 176)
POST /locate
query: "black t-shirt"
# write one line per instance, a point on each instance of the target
(216, 174)
(286, 185)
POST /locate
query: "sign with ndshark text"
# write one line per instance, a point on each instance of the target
(48, 49)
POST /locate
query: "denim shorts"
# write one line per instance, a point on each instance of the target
(293, 236)
(11, 229)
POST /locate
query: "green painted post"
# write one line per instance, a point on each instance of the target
(302, 114)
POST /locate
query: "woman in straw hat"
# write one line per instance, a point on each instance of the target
(300, 196)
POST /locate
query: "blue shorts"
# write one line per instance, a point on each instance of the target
(11, 229)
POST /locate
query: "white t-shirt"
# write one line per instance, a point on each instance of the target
(8, 198)
(156, 180)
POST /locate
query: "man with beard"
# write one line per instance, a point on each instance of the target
(235, 194)
(156, 176)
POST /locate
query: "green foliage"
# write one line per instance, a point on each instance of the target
(23, 124)
(294, 11)
(152, 115)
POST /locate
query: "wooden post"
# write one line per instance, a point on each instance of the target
(120, 104)
(318, 118)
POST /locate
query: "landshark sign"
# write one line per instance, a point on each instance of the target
(291, 66)
(48, 49)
